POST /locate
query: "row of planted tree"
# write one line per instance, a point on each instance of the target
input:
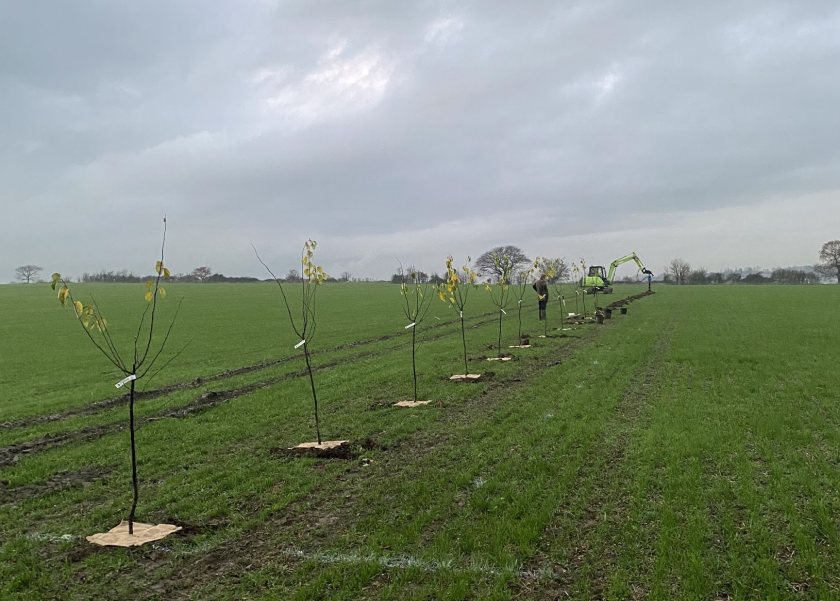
(143, 358)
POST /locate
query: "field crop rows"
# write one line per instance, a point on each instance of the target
(687, 450)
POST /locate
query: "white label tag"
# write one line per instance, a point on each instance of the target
(125, 380)
(520, 301)
(301, 343)
(563, 301)
(503, 311)
(411, 325)
(461, 314)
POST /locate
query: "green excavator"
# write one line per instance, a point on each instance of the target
(598, 280)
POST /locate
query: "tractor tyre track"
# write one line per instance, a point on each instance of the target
(597, 476)
(55, 483)
(110, 403)
(13, 453)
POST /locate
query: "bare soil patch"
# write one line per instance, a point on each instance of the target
(56, 483)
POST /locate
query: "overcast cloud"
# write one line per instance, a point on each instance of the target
(413, 130)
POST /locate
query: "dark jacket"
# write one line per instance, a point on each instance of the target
(542, 289)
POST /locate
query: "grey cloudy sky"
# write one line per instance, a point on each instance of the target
(384, 129)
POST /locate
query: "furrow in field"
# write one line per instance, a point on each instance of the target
(13, 453)
(573, 542)
(106, 404)
(55, 483)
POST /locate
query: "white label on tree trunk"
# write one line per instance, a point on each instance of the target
(411, 325)
(503, 311)
(125, 380)
(520, 301)
(301, 343)
(563, 300)
(461, 313)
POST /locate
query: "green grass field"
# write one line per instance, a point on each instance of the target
(687, 450)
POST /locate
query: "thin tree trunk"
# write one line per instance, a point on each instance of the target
(500, 334)
(314, 395)
(562, 311)
(545, 315)
(414, 358)
(520, 323)
(464, 341)
(133, 459)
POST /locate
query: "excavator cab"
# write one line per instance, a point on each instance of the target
(598, 271)
(596, 280)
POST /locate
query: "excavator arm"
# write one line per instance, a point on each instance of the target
(631, 257)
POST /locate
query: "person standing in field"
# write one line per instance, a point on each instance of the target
(542, 295)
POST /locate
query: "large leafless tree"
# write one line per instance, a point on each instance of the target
(25, 273)
(830, 260)
(679, 270)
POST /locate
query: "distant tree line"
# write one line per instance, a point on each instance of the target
(113, 276)
(125, 276)
(28, 273)
(411, 273)
(680, 272)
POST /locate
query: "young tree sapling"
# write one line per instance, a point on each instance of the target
(146, 348)
(557, 271)
(304, 327)
(576, 283)
(523, 284)
(455, 291)
(583, 289)
(500, 291)
(550, 268)
(416, 301)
